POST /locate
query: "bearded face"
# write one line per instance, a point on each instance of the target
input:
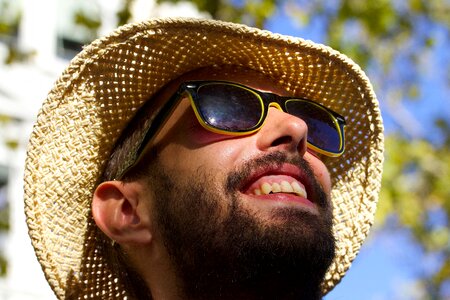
(222, 249)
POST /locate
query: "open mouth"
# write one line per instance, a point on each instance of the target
(286, 181)
(274, 184)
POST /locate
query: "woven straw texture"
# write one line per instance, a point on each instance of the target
(110, 79)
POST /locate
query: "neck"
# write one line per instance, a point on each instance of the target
(157, 272)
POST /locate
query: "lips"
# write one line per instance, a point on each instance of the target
(274, 182)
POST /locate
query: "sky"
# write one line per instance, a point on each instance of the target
(389, 263)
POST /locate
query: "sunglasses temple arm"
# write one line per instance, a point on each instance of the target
(156, 124)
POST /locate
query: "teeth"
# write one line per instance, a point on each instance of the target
(286, 187)
(298, 189)
(283, 187)
(276, 188)
(266, 188)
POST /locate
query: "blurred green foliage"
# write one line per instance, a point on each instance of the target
(4, 218)
(9, 20)
(124, 13)
(251, 12)
(91, 23)
(416, 189)
(9, 28)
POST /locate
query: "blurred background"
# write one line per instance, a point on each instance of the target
(403, 45)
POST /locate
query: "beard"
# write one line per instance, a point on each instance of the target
(222, 250)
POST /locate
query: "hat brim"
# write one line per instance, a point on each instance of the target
(109, 81)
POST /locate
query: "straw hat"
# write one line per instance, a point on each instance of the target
(110, 79)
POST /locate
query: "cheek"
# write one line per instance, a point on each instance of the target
(202, 136)
(199, 148)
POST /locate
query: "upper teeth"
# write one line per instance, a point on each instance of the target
(283, 187)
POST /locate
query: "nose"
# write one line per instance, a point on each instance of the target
(282, 132)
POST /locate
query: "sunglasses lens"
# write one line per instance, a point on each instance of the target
(323, 132)
(229, 107)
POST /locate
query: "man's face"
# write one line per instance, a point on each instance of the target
(240, 215)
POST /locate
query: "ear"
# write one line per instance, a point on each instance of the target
(120, 212)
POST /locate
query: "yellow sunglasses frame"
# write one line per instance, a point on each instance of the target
(334, 117)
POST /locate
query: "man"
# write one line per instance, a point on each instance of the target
(195, 159)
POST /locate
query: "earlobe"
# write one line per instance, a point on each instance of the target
(119, 213)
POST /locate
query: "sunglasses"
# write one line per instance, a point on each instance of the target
(234, 109)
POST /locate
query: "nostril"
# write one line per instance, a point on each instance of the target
(282, 140)
(283, 131)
